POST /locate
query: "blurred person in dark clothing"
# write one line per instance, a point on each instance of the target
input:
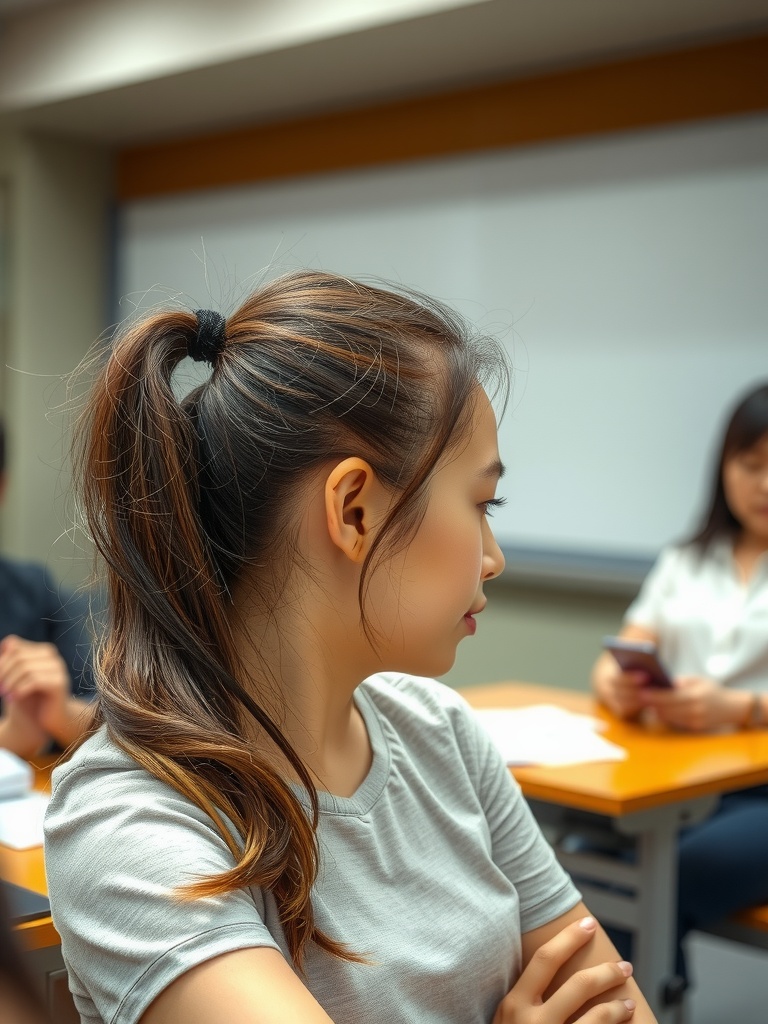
(44, 655)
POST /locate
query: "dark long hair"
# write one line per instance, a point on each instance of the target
(747, 424)
(186, 498)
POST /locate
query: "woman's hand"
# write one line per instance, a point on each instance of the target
(621, 692)
(35, 683)
(19, 734)
(697, 705)
(582, 998)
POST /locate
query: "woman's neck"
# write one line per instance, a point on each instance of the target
(748, 549)
(299, 665)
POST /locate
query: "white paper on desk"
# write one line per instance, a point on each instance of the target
(547, 735)
(21, 821)
(15, 775)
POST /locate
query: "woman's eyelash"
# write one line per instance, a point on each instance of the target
(491, 504)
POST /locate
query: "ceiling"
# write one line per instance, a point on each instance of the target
(10, 7)
(129, 71)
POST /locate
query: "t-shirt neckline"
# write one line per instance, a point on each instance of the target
(370, 789)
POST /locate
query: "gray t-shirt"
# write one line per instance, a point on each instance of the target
(432, 870)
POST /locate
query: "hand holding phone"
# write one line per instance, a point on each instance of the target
(639, 656)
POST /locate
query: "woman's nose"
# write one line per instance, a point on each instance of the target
(493, 557)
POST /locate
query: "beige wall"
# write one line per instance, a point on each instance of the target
(57, 213)
(539, 634)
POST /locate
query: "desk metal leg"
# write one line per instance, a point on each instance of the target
(640, 896)
(656, 834)
(47, 969)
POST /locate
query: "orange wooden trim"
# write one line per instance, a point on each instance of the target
(755, 918)
(548, 784)
(713, 81)
(38, 934)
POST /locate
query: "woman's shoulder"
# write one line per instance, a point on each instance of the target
(101, 783)
(427, 699)
(690, 559)
(676, 554)
(432, 726)
(110, 820)
(98, 756)
(422, 711)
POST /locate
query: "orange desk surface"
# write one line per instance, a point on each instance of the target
(663, 767)
(27, 868)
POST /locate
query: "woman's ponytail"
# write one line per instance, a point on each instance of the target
(170, 686)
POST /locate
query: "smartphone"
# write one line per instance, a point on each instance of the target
(638, 656)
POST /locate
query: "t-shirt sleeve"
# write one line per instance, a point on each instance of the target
(118, 847)
(647, 610)
(519, 848)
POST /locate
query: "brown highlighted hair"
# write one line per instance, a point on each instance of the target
(186, 499)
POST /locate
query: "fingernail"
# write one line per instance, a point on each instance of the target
(588, 924)
(629, 1003)
(625, 967)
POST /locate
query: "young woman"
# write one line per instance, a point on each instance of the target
(279, 818)
(705, 604)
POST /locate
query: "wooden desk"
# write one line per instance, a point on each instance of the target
(668, 781)
(27, 868)
(40, 938)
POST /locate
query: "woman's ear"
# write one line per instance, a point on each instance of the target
(355, 503)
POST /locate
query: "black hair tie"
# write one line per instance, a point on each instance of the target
(210, 337)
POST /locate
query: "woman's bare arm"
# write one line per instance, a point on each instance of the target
(598, 950)
(246, 986)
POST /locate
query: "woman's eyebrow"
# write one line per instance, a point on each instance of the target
(493, 469)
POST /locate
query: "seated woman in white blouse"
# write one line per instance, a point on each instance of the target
(705, 604)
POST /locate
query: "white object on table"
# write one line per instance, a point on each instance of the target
(547, 735)
(15, 775)
(21, 809)
(21, 821)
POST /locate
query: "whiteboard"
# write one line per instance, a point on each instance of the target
(626, 275)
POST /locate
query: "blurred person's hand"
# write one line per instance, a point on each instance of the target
(697, 704)
(621, 692)
(36, 691)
